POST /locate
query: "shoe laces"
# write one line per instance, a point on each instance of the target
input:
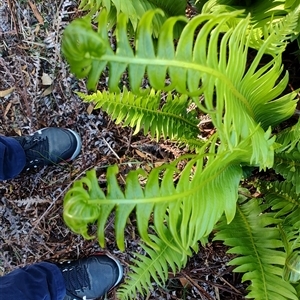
(76, 278)
(35, 148)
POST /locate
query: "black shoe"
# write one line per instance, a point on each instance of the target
(50, 146)
(91, 277)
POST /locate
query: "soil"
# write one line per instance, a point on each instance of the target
(37, 90)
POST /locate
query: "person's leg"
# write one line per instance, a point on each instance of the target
(85, 278)
(40, 281)
(12, 158)
(44, 147)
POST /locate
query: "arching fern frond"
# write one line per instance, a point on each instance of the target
(183, 208)
(290, 235)
(265, 17)
(171, 120)
(213, 64)
(253, 236)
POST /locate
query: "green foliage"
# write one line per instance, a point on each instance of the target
(284, 201)
(134, 10)
(182, 210)
(156, 266)
(263, 13)
(169, 120)
(190, 65)
(287, 157)
(245, 102)
(253, 235)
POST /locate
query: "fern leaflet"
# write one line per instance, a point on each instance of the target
(171, 120)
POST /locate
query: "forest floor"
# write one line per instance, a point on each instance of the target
(36, 91)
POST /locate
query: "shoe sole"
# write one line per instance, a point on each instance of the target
(78, 148)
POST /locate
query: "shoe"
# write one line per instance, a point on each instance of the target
(50, 146)
(91, 277)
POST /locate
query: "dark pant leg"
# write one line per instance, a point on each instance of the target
(12, 158)
(41, 281)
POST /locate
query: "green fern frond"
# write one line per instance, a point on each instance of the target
(298, 290)
(290, 234)
(155, 265)
(284, 27)
(289, 139)
(171, 120)
(284, 199)
(212, 64)
(263, 13)
(266, 17)
(287, 155)
(253, 236)
(182, 207)
(135, 9)
(284, 202)
(193, 144)
(288, 165)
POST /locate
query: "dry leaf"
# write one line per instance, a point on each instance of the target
(18, 131)
(47, 91)
(159, 163)
(90, 108)
(46, 79)
(7, 109)
(6, 92)
(184, 282)
(141, 154)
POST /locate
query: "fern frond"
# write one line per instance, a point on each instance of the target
(288, 165)
(298, 290)
(135, 9)
(182, 208)
(263, 13)
(266, 18)
(287, 155)
(289, 138)
(285, 203)
(290, 235)
(171, 120)
(212, 64)
(253, 236)
(284, 27)
(154, 265)
(283, 199)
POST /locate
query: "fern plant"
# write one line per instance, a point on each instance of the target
(265, 233)
(262, 13)
(135, 9)
(253, 235)
(243, 101)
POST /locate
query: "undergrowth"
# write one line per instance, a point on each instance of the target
(207, 67)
